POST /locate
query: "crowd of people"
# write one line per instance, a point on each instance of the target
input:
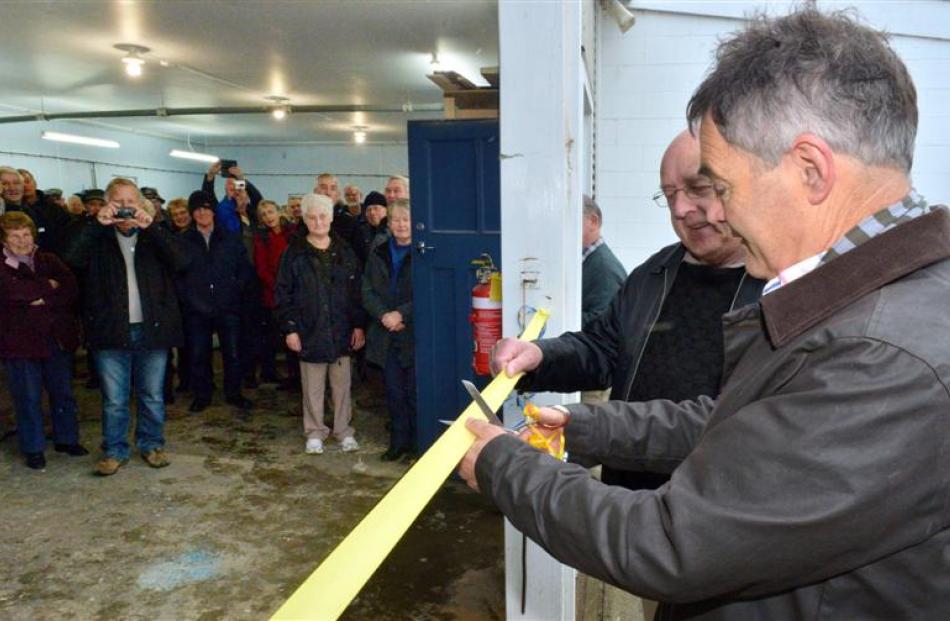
(144, 286)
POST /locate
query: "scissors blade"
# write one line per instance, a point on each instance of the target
(480, 402)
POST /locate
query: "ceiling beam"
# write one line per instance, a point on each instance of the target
(406, 108)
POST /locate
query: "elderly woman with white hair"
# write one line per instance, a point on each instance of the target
(319, 310)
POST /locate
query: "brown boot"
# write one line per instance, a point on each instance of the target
(108, 466)
(156, 458)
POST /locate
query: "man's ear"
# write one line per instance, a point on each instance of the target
(815, 161)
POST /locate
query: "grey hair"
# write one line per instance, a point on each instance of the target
(7, 170)
(811, 72)
(316, 202)
(401, 179)
(399, 203)
(592, 209)
(123, 181)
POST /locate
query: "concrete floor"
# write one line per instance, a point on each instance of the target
(233, 526)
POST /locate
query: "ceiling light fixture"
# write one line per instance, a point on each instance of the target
(132, 60)
(281, 107)
(359, 134)
(74, 139)
(194, 155)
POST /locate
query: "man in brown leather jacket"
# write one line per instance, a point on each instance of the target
(817, 485)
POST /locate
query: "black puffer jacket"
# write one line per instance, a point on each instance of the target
(319, 300)
(96, 255)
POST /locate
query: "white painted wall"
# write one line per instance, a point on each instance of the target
(276, 170)
(281, 170)
(74, 168)
(645, 78)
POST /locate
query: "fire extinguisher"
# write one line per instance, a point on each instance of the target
(486, 313)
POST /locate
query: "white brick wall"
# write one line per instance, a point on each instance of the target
(645, 79)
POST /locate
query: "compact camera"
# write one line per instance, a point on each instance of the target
(125, 213)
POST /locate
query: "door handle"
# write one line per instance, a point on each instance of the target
(421, 247)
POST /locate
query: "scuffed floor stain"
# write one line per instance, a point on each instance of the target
(192, 566)
(233, 526)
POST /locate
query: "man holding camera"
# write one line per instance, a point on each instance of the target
(130, 318)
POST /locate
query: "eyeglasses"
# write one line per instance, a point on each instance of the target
(665, 197)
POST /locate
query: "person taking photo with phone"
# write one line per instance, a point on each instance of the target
(239, 204)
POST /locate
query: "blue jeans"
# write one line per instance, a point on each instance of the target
(400, 401)
(118, 370)
(198, 330)
(26, 379)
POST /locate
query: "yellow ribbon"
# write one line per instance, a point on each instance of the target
(334, 584)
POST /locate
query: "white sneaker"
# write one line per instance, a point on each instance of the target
(314, 446)
(349, 444)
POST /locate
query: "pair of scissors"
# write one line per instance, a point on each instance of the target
(541, 437)
(480, 402)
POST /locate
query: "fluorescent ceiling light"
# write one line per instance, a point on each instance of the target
(359, 136)
(86, 140)
(192, 155)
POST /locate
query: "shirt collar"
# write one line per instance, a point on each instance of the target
(589, 250)
(910, 207)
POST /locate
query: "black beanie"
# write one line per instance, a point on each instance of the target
(198, 199)
(374, 198)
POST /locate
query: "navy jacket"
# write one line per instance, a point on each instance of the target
(218, 273)
(378, 300)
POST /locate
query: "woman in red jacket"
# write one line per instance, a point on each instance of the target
(40, 332)
(270, 241)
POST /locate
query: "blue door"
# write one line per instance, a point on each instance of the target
(456, 217)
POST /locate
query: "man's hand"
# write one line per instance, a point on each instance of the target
(484, 433)
(142, 219)
(38, 302)
(236, 172)
(293, 342)
(514, 356)
(391, 320)
(106, 214)
(214, 170)
(358, 339)
(54, 283)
